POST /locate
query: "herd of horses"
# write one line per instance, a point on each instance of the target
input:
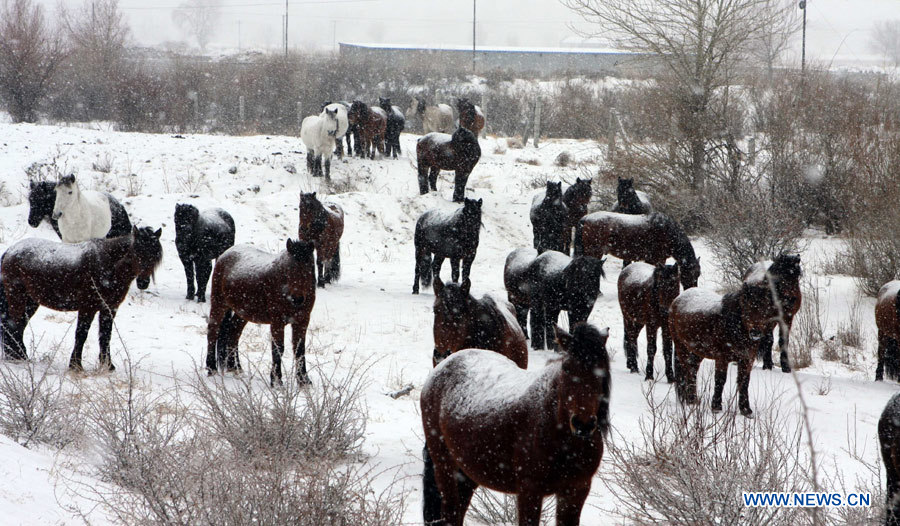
(477, 400)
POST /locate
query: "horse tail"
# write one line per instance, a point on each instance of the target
(892, 359)
(333, 271)
(431, 497)
(424, 262)
(223, 337)
(4, 314)
(579, 247)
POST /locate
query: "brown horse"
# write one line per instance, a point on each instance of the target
(889, 440)
(726, 329)
(322, 224)
(370, 125)
(89, 277)
(488, 423)
(470, 116)
(251, 285)
(645, 294)
(459, 152)
(576, 199)
(784, 274)
(463, 322)
(652, 238)
(887, 319)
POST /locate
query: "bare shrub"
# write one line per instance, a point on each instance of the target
(36, 405)
(873, 250)
(563, 159)
(808, 330)
(692, 465)
(490, 507)
(103, 164)
(515, 143)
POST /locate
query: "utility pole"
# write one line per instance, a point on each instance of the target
(803, 46)
(239, 36)
(474, 3)
(285, 27)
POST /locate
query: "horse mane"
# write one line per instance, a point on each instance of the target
(466, 109)
(155, 249)
(682, 249)
(319, 217)
(786, 267)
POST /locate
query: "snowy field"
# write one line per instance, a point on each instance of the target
(370, 314)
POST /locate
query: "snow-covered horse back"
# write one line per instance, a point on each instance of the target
(81, 214)
(318, 133)
(88, 277)
(489, 423)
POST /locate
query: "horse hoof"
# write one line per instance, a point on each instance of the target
(211, 372)
(747, 413)
(648, 377)
(670, 379)
(201, 299)
(716, 408)
(76, 367)
(303, 379)
(189, 296)
(320, 284)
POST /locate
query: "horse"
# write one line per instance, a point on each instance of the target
(318, 133)
(395, 124)
(249, 285)
(631, 201)
(451, 235)
(343, 124)
(726, 329)
(645, 294)
(547, 283)
(438, 118)
(889, 441)
(488, 423)
(42, 199)
(89, 277)
(463, 322)
(576, 198)
(549, 216)
(651, 238)
(371, 124)
(322, 224)
(201, 237)
(470, 116)
(80, 215)
(438, 151)
(784, 273)
(887, 320)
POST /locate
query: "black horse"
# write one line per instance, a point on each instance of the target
(549, 216)
(548, 283)
(395, 124)
(889, 439)
(439, 151)
(42, 199)
(201, 237)
(629, 201)
(451, 235)
(576, 199)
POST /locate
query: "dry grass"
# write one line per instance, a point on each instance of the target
(490, 507)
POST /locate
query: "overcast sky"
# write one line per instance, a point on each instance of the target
(836, 28)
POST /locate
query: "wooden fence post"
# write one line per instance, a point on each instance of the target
(241, 109)
(611, 136)
(537, 121)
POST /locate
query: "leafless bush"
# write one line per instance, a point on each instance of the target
(515, 143)
(563, 159)
(692, 465)
(191, 181)
(103, 164)
(808, 330)
(873, 250)
(36, 405)
(491, 508)
(134, 185)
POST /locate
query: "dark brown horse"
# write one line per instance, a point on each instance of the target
(370, 125)
(470, 116)
(549, 216)
(889, 440)
(576, 199)
(459, 152)
(652, 238)
(887, 319)
(88, 277)
(784, 275)
(645, 294)
(463, 322)
(323, 224)
(249, 285)
(443, 235)
(488, 423)
(726, 329)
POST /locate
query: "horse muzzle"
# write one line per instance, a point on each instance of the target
(142, 283)
(56, 215)
(583, 429)
(332, 133)
(756, 334)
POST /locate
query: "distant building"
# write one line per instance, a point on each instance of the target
(518, 59)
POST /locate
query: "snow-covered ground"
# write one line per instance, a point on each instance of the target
(370, 313)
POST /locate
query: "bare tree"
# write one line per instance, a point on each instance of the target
(886, 39)
(698, 44)
(198, 19)
(769, 45)
(30, 52)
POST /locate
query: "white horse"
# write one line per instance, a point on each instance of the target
(82, 215)
(343, 125)
(318, 133)
(438, 118)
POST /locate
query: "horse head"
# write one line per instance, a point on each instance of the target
(757, 309)
(690, 272)
(41, 200)
(329, 118)
(313, 218)
(358, 113)
(385, 104)
(667, 284)
(452, 316)
(553, 192)
(147, 254)
(67, 192)
(582, 188)
(625, 189)
(584, 381)
(301, 252)
(186, 216)
(786, 266)
(582, 281)
(471, 211)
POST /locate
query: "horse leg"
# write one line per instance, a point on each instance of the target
(522, 317)
(422, 171)
(85, 318)
(298, 338)
(16, 320)
(217, 312)
(569, 504)
(528, 506)
(328, 168)
(436, 263)
(883, 345)
(668, 355)
(189, 275)
(236, 328)
(320, 281)
(433, 177)
(106, 324)
(784, 335)
(632, 329)
(567, 240)
(459, 186)
(454, 269)
(686, 388)
(720, 377)
(465, 488)
(743, 385)
(204, 269)
(765, 348)
(277, 332)
(651, 350)
(431, 497)
(467, 266)
(310, 163)
(537, 325)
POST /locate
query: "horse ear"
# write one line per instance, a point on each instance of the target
(563, 338)
(437, 285)
(158, 233)
(134, 230)
(466, 286)
(480, 201)
(31, 183)
(289, 245)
